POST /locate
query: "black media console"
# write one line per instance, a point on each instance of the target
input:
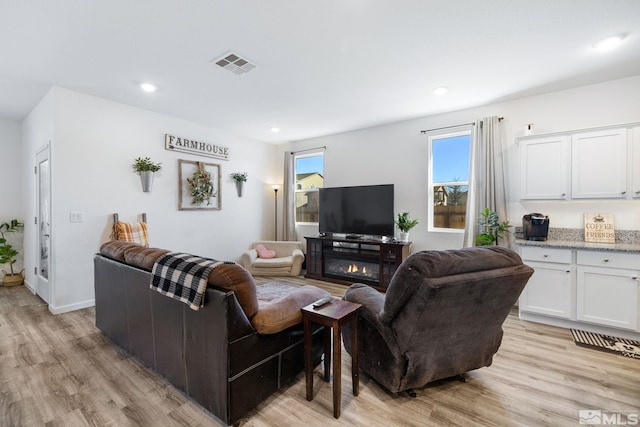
(345, 260)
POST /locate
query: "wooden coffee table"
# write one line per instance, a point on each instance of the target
(332, 315)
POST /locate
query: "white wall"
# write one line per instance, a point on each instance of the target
(397, 153)
(95, 143)
(11, 183)
(10, 170)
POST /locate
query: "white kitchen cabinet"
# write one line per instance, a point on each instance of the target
(545, 168)
(599, 164)
(635, 163)
(608, 289)
(550, 289)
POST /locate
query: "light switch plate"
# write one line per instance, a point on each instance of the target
(76, 217)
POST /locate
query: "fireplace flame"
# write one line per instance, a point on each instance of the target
(353, 268)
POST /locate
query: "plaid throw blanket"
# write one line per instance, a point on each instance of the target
(182, 277)
(132, 232)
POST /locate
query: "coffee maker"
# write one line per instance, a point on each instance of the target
(535, 226)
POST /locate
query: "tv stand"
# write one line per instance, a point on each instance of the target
(345, 260)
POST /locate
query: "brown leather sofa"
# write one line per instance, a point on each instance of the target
(442, 315)
(214, 354)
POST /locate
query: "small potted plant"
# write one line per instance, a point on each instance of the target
(8, 254)
(146, 168)
(405, 223)
(239, 178)
(492, 228)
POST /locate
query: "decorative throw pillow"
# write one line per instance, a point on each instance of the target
(264, 252)
(132, 232)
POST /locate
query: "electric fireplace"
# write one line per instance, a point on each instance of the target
(353, 270)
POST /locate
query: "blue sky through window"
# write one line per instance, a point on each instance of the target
(451, 158)
(310, 164)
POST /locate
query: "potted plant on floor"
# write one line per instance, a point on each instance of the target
(8, 254)
(405, 223)
(239, 178)
(146, 168)
(492, 228)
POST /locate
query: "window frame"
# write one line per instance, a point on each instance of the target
(295, 183)
(431, 183)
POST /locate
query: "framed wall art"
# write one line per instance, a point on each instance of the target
(199, 186)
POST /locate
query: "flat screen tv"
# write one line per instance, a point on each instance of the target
(360, 210)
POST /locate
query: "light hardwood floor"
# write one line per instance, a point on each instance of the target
(61, 371)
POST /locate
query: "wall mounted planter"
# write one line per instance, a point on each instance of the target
(146, 177)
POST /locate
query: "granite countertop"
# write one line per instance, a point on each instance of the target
(571, 238)
(574, 244)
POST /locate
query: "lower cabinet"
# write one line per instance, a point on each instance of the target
(550, 290)
(608, 295)
(586, 287)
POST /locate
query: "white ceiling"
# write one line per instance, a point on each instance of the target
(322, 66)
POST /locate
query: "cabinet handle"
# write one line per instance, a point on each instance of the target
(564, 194)
(634, 278)
(624, 192)
(567, 271)
(606, 260)
(545, 256)
(638, 192)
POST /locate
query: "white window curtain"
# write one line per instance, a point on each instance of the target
(486, 177)
(288, 197)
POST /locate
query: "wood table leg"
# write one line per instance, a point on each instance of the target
(337, 370)
(355, 360)
(308, 356)
(327, 353)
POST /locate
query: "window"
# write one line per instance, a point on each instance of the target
(309, 176)
(448, 180)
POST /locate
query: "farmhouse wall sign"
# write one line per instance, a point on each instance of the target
(176, 143)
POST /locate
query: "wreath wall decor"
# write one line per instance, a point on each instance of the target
(199, 185)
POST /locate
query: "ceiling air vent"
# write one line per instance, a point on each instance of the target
(234, 63)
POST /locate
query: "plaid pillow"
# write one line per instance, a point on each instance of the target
(132, 232)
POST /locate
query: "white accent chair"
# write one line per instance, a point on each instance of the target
(287, 262)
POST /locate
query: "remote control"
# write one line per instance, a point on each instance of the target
(322, 301)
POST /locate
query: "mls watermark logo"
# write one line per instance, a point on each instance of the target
(598, 417)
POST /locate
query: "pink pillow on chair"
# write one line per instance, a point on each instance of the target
(264, 252)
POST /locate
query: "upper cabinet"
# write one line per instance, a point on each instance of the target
(545, 168)
(635, 156)
(601, 163)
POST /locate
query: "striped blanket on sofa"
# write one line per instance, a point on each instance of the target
(183, 277)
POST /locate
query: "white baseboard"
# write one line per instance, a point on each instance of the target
(72, 307)
(571, 324)
(30, 287)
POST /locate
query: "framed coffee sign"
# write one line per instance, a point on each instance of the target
(598, 228)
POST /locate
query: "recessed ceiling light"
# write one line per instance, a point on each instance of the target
(275, 129)
(440, 90)
(148, 87)
(609, 43)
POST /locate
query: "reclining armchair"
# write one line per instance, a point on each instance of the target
(442, 315)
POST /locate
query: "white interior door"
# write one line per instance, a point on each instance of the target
(43, 222)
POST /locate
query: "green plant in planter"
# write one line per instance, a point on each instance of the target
(143, 165)
(492, 228)
(7, 253)
(239, 176)
(405, 223)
